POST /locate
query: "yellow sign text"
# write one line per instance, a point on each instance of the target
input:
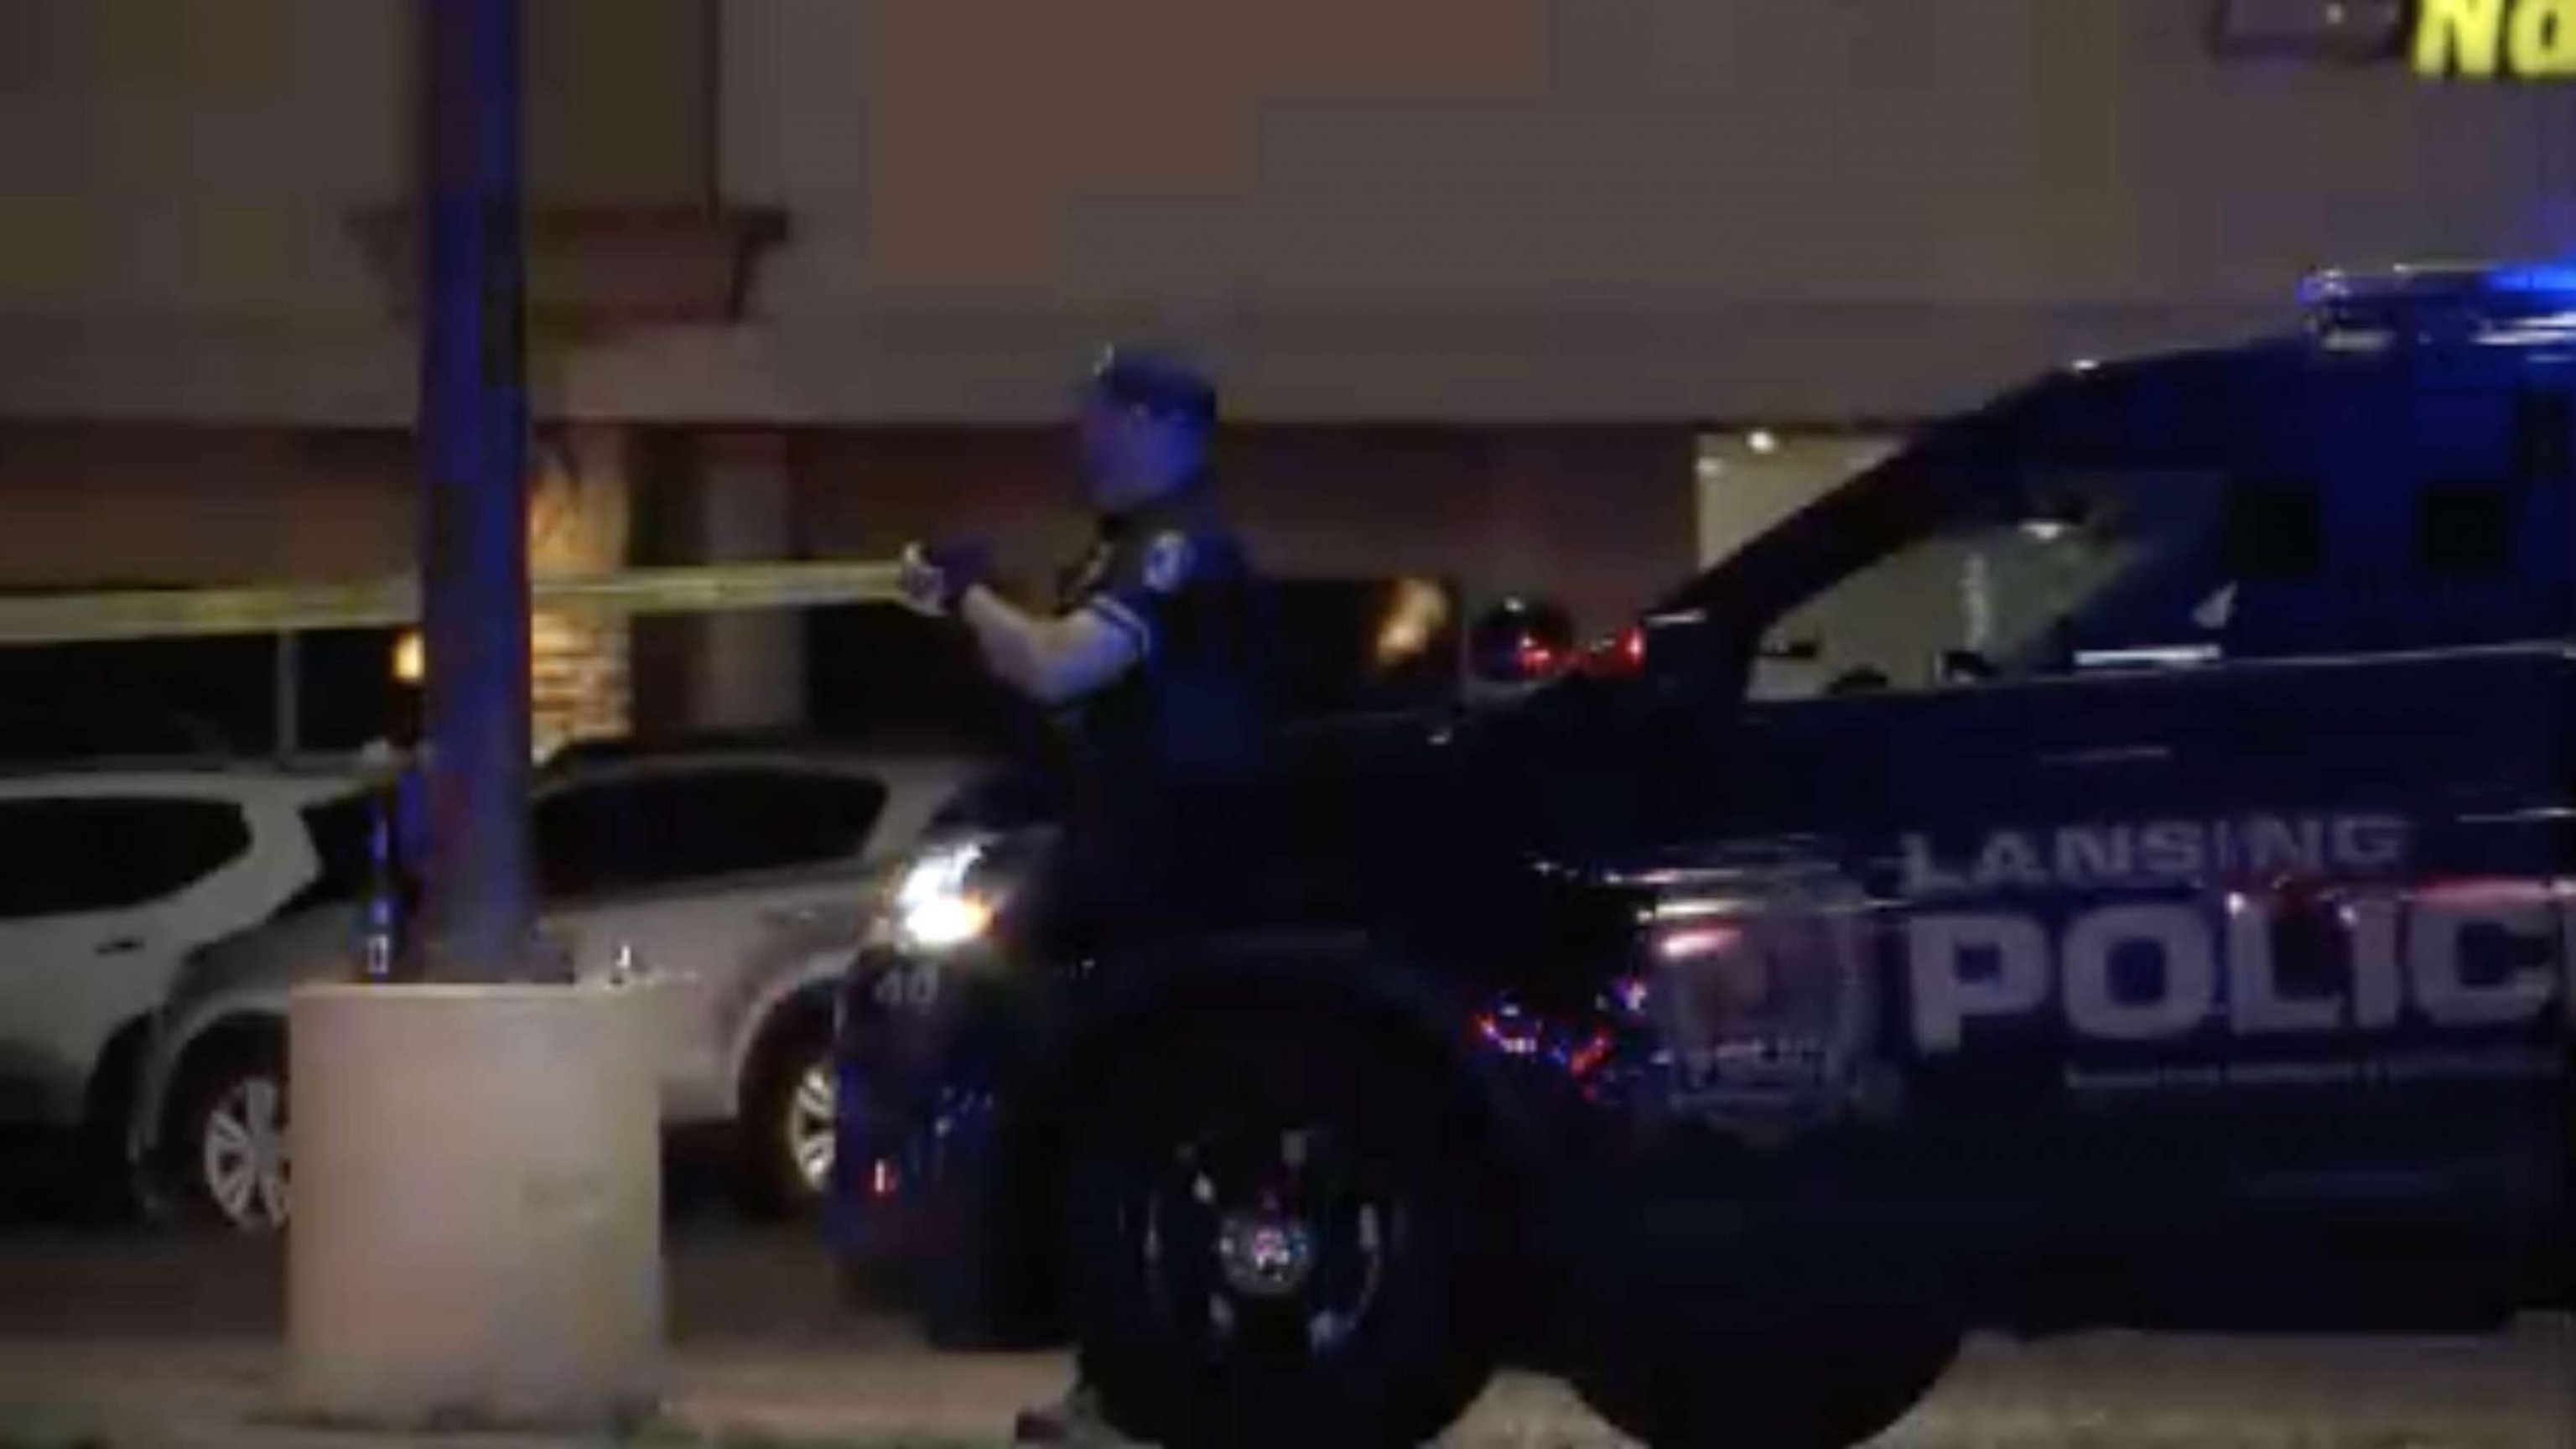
(2495, 39)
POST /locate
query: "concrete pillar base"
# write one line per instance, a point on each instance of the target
(477, 1231)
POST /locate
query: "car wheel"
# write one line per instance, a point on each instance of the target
(1274, 1242)
(1821, 1387)
(231, 1155)
(788, 1110)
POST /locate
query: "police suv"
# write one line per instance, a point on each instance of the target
(2111, 864)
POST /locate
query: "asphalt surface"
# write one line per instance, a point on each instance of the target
(181, 1328)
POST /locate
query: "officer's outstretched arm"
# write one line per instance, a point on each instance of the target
(1051, 660)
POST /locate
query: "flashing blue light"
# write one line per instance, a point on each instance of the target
(2466, 300)
(2554, 280)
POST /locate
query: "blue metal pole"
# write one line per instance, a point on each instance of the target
(473, 439)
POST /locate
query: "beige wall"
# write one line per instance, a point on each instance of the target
(1452, 209)
(177, 505)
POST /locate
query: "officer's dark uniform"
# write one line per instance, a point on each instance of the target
(1151, 758)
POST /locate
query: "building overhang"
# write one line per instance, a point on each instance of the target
(600, 270)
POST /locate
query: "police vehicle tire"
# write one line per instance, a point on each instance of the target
(1172, 1150)
(230, 1087)
(1823, 1385)
(779, 1110)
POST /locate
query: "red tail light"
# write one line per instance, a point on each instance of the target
(1622, 656)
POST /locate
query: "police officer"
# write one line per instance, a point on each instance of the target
(1150, 662)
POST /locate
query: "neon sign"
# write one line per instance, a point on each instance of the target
(2445, 40)
(2494, 39)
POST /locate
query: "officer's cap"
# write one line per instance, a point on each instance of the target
(1156, 383)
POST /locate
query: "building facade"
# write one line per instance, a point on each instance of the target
(1500, 289)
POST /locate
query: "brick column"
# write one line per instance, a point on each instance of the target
(578, 523)
(749, 669)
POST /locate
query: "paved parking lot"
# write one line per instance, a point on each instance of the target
(160, 1338)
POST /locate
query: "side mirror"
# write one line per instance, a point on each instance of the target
(1963, 666)
(1520, 642)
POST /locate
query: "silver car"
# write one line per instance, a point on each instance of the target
(735, 880)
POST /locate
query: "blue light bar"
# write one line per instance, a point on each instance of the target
(2440, 300)
(2554, 280)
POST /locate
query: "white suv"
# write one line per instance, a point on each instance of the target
(736, 880)
(110, 879)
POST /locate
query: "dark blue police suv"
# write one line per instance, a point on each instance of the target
(2114, 863)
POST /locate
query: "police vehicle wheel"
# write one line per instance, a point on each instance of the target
(1819, 1386)
(788, 1109)
(1276, 1243)
(228, 1147)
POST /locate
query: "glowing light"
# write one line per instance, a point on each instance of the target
(1401, 639)
(2164, 656)
(2513, 285)
(2492, 39)
(1515, 1045)
(1620, 656)
(1763, 441)
(1419, 610)
(411, 658)
(938, 872)
(933, 908)
(946, 921)
(1588, 1058)
(2546, 279)
(1513, 1038)
(1696, 942)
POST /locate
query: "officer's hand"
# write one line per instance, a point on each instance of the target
(936, 576)
(923, 588)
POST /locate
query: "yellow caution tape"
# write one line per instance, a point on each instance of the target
(394, 603)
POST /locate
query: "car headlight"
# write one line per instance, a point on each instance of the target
(945, 897)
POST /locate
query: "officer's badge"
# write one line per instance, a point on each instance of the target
(1167, 562)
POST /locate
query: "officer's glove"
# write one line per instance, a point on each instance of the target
(935, 577)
